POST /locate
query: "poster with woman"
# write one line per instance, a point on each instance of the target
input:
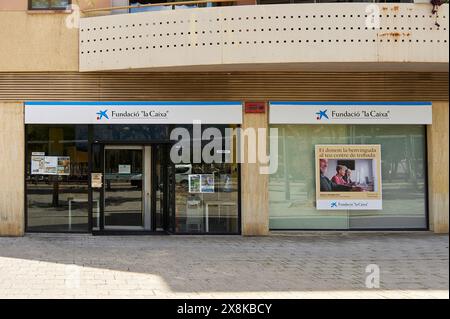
(348, 177)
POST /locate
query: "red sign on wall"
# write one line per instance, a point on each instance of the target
(255, 107)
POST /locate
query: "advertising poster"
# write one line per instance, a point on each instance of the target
(50, 165)
(348, 177)
(63, 165)
(194, 183)
(207, 183)
(201, 183)
(37, 164)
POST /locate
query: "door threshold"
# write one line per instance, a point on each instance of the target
(126, 232)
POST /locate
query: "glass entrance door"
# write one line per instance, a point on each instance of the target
(127, 187)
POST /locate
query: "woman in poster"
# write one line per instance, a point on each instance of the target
(339, 177)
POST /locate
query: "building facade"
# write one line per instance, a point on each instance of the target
(222, 117)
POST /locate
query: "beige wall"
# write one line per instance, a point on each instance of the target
(93, 4)
(438, 167)
(37, 42)
(254, 187)
(12, 148)
(13, 5)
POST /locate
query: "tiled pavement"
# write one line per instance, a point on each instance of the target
(300, 265)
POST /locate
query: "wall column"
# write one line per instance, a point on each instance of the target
(12, 152)
(255, 186)
(438, 167)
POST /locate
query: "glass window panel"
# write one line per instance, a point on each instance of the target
(50, 4)
(403, 165)
(292, 187)
(123, 187)
(292, 194)
(58, 202)
(137, 3)
(213, 207)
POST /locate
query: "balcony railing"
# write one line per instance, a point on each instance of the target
(269, 37)
(173, 5)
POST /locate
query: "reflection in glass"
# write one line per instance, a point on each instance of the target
(130, 132)
(292, 194)
(49, 4)
(123, 187)
(207, 194)
(292, 188)
(58, 202)
(403, 170)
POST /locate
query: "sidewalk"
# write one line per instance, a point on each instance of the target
(411, 265)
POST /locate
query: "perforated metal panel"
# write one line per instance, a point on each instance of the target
(270, 34)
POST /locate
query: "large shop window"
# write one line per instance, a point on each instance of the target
(207, 194)
(403, 167)
(57, 178)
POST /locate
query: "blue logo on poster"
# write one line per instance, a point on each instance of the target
(333, 204)
(102, 114)
(322, 114)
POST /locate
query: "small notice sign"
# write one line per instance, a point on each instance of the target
(124, 169)
(96, 180)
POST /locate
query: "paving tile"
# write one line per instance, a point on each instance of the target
(411, 265)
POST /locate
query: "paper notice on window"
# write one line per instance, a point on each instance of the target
(50, 165)
(207, 183)
(96, 180)
(194, 183)
(201, 183)
(37, 164)
(124, 169)
(63, 165)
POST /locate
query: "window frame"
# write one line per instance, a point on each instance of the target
(30, 6)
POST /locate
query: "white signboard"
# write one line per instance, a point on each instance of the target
(350, 113)
(124, 169)
(133, 112)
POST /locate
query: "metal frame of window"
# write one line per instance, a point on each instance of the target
(66, 7)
